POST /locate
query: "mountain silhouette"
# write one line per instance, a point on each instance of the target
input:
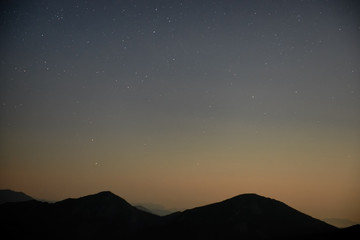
(7, 195)
(247, 216)
(107, 216)
(99, 216)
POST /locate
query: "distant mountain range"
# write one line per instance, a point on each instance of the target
(155, 209)
(12, 196)
(107, 216)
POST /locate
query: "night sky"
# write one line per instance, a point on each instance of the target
(183, 103)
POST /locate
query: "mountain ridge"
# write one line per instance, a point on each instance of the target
(107, 216)
(7, 195)
(247, 215)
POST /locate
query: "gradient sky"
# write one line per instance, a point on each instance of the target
(183, 103)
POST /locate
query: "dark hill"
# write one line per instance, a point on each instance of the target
(349, 233)
(105, 214)
(99, 216)
(12, 196)
(246, 216)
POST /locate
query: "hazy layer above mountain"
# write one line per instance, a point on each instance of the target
(155, 209)
(339, 222)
